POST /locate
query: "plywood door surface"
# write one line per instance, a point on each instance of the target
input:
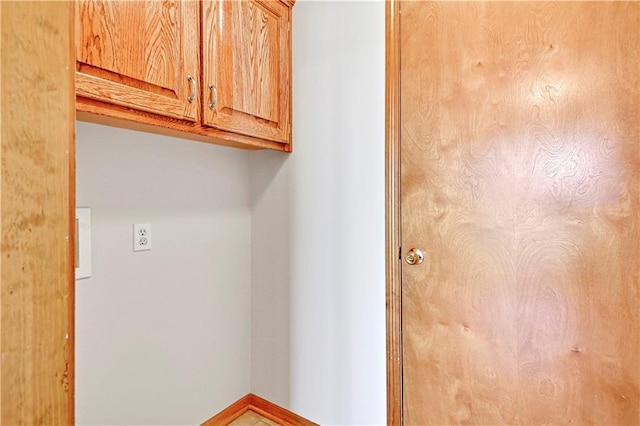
(139, 54)
(520, 150)
(246, 57)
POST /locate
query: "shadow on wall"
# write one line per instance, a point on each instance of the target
(271, 277)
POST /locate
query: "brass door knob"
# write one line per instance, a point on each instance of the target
(414, 257)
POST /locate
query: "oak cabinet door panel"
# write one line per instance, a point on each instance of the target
(247, 68)
(140, 54)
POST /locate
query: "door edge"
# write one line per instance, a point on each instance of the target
(392, 214)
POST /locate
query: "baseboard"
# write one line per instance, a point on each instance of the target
(230, 413)
(260, 406)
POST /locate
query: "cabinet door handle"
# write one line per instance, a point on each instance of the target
(214, 96)
(193, 89)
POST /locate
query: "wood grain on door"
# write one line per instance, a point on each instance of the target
(140, 54)
(247, 66)
(520, 162)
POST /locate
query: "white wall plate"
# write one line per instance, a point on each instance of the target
(83, 242)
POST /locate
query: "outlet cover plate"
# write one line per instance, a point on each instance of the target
(83, 242)
(141, 236)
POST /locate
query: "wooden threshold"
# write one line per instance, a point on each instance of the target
(259, 406)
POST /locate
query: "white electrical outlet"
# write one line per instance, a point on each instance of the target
(141, 236)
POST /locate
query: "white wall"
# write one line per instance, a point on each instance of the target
(162, 337)
(271, 263)
(318, 225)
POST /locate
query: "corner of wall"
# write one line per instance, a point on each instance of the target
(270, 253)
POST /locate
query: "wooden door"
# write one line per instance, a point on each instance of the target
(520, 162)
(247, 67)
(140, 54)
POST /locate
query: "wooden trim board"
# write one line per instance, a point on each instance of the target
(259, 406)
(94, 111)
(230, 413)
(71, 298)
(392, 172)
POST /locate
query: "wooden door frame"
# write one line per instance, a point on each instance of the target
(392, 201)
(37, 206)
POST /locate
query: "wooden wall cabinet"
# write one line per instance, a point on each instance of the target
(138, 65)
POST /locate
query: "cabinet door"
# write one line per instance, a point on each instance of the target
(140, 54)
(247, 67)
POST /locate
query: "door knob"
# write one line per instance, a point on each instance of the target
(414, 257)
